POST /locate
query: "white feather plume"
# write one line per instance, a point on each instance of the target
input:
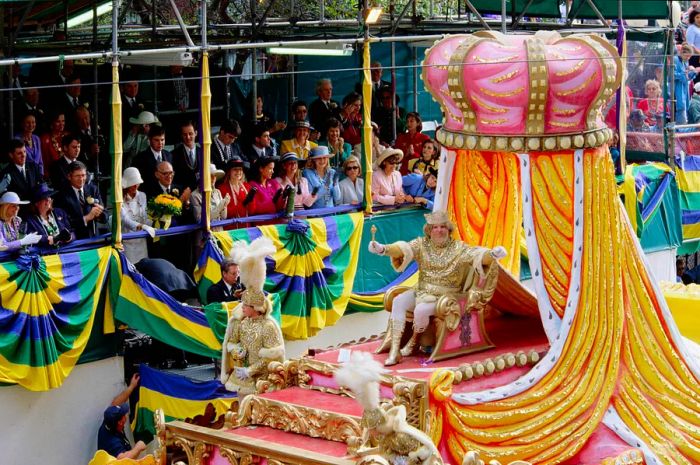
(251, 260)
(361, 374)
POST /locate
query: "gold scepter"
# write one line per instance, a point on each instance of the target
(373, 230)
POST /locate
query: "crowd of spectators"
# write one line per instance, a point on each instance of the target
(260, 166)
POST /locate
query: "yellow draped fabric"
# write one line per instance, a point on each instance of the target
(484, 202)
(618, 352)
(684, 303)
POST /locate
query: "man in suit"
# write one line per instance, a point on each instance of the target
(164, 174)
(229, 288)
(90, 145)
(375, 72)
(185, 157)
(261, 146)
(68, 101)
(58, 173)
(147, 160)
(224, 146)
(30, 104)
(81, 201)
(24, 175)
(131, 102)
(324, 107)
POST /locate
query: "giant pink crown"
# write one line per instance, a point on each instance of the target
(535, 92)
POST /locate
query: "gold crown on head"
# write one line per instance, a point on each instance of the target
(254, 298)
(437, 217)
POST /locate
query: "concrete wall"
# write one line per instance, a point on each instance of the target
(58, 427)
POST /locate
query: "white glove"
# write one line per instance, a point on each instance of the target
(30, 239)
(241, 373)
(226, 200)
(149, 229)
(498, 252)
(376, 248)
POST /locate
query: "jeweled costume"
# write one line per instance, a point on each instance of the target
(445, 269)
(251, 343)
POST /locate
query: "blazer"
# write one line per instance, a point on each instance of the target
(18, 184)
(58, 174)
(68, 201)
(34, 224)
(219, 158)
(146, 163)
(186, 217)
(252, 156)
(319, 114)
(186, 174)
(219, 293)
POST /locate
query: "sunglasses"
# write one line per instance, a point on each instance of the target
(349, 168)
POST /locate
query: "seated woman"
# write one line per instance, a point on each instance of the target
(337, 147)
(289, 175)
(411, 141)
(10, 224)
(236, 188)
(387, 185)
(217, 201)
(421, 187)
(134, 215)
(352, 188)
(52, 142)
(50, 223)
(265, 195)
(32, 143)
(322, 179)
(654, 103)
(430, 158)
(350, 118)
(300, 144)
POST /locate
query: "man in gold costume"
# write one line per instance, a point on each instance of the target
(445, 266)
(253, 338)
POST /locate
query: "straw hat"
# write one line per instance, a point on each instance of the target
(303, 124)
(131, 177)
(386, 153)
(145, 117)
(213, 170)
(11, 197)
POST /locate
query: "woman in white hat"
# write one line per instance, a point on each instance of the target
(387, 184)
(218, 202)
(137, 140)
(134, 215)
(9, 224)
(323, 181)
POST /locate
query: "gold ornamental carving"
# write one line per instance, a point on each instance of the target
(160, 450)
(235, 457)
(195, 451)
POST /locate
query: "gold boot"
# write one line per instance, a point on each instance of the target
(396, 333)
(410, 345)
(386, 342)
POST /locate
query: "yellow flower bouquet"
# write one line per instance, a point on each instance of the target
(162, 208)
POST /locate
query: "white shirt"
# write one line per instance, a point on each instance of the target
(157, 155)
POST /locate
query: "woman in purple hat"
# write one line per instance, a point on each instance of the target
(50, 223)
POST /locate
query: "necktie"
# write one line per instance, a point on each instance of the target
(75, 102)
(24, 173)
(81, 197)
(191, 155)
(158, 158)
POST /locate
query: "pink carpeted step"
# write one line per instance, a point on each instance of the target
(317, 400)
(299, 441)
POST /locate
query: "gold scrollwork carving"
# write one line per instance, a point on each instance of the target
(160, 451)
(235, 457)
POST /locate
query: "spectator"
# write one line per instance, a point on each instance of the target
(89, 141)
(165, 174)
(289, 175)
(134, 215)
(376, 72)
(300, 144)
(59, 170)
(262, 118)
(323, 181)
(337, 147)
(224, 147)
(69, 102)
(24, 174)
(111, 437)
(32, 143)
(132, 106)
(229, 288)
(351, 119)
(430, 158)
(682, 75)
(352, 188)
(384, 115)
(81, 202)
(30, 104)
(147, 161)
(261, 147)
(299, 113)
(50, 223)
(235, 187)
(654, 103)
(137, 140)
(637, 122)
(10, 222)
(52, 143)
(180, 99)
(421, 187)
(692, 37)
(324, 107)
(411, 141)
(387, 185)
(265, 194)
(694, 108)
(217, 201)
(185, 160)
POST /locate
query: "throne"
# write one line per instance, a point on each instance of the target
(457, 328)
